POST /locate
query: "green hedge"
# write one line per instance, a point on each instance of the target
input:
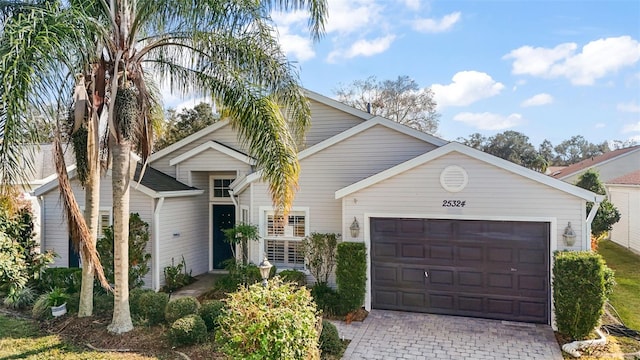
(187, 330)
(293, 276)
(210, 312)
(181, 307)
(581, 283)
(329, 339)
(276, 322)
(148, 306)
(69, 279)
(351, 275)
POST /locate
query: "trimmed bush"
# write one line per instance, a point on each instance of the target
(329, 339)
(148, 306)
(351, 275)
(239, 275)
(210, 312)
(69, 279)
(579, 291)
(326, 298)
(181, 307)
(276, 322)
(320, 251)
(293, 276)
(187, 330)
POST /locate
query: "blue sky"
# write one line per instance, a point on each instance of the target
(548, 69)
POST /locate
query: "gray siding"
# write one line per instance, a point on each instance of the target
(627, 231)
(356, 158)
(327, 122)
(491, 194)
(210, 160)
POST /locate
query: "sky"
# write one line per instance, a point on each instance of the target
(548, 69)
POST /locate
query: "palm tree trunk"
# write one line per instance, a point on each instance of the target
(91, 214)
(121, 175)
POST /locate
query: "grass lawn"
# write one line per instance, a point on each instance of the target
(626, 295)
(21, 339)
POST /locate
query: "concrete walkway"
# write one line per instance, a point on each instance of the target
(401, 335)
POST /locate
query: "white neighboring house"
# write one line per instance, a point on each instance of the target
(619, 170)
(448, 229)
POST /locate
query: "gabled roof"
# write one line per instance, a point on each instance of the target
(337, 104)
(189, 139)
(476, 154)
(214, 145)
(632, 178)
(238, 186)
(591, 162)
(378, 120)
(154, 183)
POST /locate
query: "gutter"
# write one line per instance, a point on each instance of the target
(156, 244)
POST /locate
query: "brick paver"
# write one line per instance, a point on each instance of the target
(401, 335)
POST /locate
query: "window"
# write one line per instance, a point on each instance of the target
(282, 239)
(103, 222)
(220, 188)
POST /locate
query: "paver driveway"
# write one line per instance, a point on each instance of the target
(401, 335)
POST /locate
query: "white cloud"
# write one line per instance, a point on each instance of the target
(631, 128)
(412, 4)
(489, 121)
(363, 48)
(466, 88)
(538, 100)
(348, 16)
(437, 26)
(597, 59)
(632, 107)
(296, 46)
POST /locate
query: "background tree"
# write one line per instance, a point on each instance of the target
(607, 214)
(577, 149)
(509, 145)
(400, 100)
(226, 49)
(187, 122)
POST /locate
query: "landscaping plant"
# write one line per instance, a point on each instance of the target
(176, 276)
(210, 311)
(241, 234)
(278, 322)
(293, 276)
(581, 283)
(320, 253)
(181, 307)
(187, 330)
(351, 275)
(607, 214)
(148, 306)
(329, 339)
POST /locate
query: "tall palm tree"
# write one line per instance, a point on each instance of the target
(223, 48)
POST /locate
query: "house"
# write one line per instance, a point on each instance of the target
(448, 229)
(624, 193)
(619, 170)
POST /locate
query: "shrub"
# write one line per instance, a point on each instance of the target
(20, 298)
(176, 276)
(239, 275)
(148, 306)
(326, 299)
(103, 303)
(241, 234)
(293, 276)
(69, 279)
(579, 291)
(210, 312)
(187, 330)
(41, 309)
(138, 258)
(351, 275)
(181, 307)
(320, 252)
(607, 214)
(278, 321)
(329, 339)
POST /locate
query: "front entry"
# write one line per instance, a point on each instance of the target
(74, 257)
(224, 217)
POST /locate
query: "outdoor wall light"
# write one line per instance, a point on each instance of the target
(265, 268)
(569, 235)
(355, 228)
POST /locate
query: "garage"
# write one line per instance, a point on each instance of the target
(489, 269)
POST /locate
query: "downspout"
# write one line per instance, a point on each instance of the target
(235, 204)
(590, 217)
(42, 227)
(156, 244)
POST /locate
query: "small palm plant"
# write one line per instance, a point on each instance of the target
(241, 234)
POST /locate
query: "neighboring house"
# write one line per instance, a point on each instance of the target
(624, 192)
(448, 229)
(619, 170)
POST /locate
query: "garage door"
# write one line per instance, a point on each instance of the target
(490, 269)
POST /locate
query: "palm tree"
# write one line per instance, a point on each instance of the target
(223, 48)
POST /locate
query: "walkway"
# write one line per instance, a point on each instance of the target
(401, 335)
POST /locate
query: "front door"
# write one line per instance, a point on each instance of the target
(74, 257)
(224, 217)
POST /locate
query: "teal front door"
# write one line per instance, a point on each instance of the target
(224, 217)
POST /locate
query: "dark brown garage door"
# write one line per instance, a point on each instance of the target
(490, 269)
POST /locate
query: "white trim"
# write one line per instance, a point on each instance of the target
(240, 184)
(212, 145)
(156, 245)
(53, 181)
(224, 199)
(262, 226)
(628, 186)
(553, 241)
(337, 104)
(378, 120)
(597, 164)
(177, 145)
(478, 155)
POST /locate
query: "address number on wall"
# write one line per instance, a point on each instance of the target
(454, 203)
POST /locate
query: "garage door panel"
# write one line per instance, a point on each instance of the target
(475, 268)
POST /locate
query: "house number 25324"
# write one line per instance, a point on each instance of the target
(453, 203)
